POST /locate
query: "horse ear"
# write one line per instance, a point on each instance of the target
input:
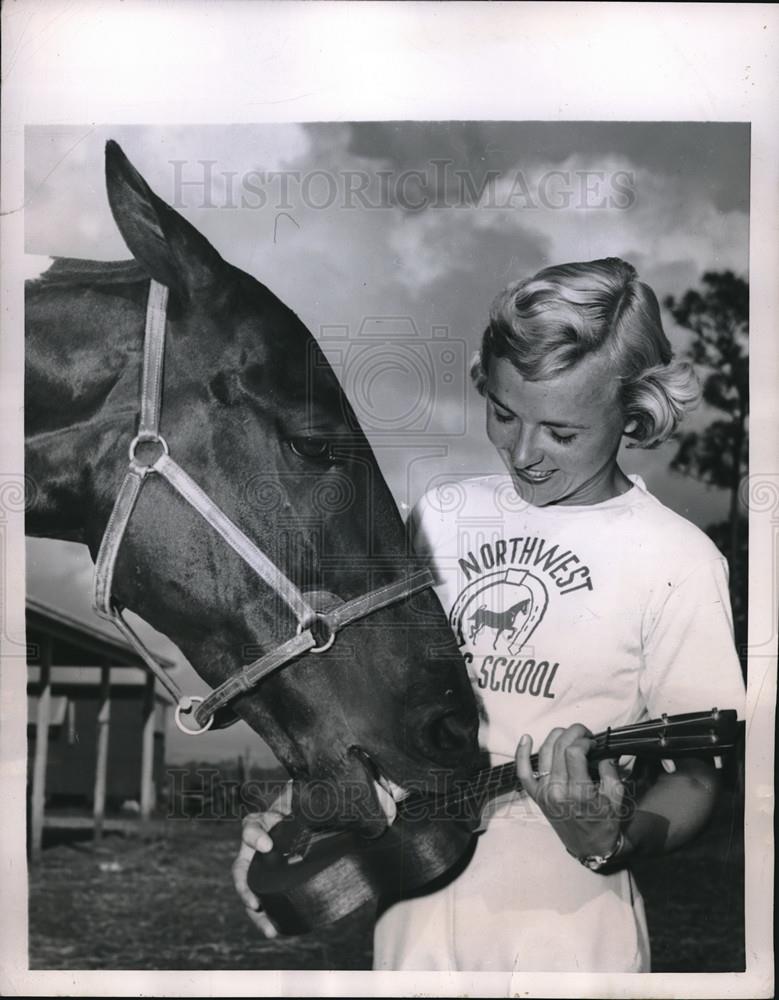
(172, 251)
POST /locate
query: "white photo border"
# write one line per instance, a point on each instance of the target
(195, 62)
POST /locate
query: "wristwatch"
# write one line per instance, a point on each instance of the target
(597, 862)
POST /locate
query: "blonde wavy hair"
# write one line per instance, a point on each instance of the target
(545, 324)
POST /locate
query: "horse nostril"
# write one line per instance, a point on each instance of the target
(449, 732)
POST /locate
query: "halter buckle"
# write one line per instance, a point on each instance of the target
(186, 705)
(330, 632)
(146, 437)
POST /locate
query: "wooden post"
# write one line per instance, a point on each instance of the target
(169, 804)
(147, 751)
(101, 761)
(41, 752)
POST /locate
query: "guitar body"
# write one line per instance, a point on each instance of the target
(313, 877)
(340, 872)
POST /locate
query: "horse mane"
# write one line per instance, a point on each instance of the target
(74, 271)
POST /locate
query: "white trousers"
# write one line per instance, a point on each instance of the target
(522, 904)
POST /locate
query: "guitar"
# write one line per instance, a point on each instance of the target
(315, 876)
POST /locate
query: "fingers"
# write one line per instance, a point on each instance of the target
(611, 784)
(262, 922)
(524, 767)
(534, 780)
(240, 869)
(240, 872)
(574, 736)
(546, 753)
(569, 761)
(571, 764)
(255, 836)
(585, 814)
(562, 764)
(257, 825)
(255, 830)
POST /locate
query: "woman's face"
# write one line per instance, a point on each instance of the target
(559, 437)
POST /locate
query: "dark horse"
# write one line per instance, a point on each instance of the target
(256, 416)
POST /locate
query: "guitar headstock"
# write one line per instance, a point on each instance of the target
(690, 734)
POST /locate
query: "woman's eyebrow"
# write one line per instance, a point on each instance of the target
(545, 423)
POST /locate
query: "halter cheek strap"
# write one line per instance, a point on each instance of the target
(334, 616)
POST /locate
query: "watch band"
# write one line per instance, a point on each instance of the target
(597, 862)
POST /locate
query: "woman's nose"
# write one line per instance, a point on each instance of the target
(524, 451)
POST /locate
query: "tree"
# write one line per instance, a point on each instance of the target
(718, 315)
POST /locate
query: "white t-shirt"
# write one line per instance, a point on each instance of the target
(604, 614)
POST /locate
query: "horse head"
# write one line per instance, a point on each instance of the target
(255, 414)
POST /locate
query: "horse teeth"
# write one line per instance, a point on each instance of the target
(396, 791)
(386, 802)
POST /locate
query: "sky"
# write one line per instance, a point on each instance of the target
(390, 241)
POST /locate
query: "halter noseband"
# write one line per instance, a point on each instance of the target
(335, 613)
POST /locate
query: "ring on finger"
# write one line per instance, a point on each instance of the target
(541, 774)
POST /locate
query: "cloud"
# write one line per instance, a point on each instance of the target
(437, 268)
(433, 270)
(66, 208)
(586, 207)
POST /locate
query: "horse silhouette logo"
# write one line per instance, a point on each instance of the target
(510, 603)
(501, 621)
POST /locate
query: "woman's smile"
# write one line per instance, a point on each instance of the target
(534, 476)
(558, 437)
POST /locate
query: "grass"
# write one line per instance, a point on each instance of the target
(695, 899)
(164, 903)
(167, 902)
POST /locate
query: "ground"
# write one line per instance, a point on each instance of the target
(167, 902)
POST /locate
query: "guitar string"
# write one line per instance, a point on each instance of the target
(491, 779)
(481, 784)
(503, 776)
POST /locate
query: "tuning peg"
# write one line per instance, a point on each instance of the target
(668, 765)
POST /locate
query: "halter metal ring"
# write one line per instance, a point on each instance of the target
(186, 705)
(330, 638)
(147, 437)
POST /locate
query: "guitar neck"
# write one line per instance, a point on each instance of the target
(697, 734)
(503, 777)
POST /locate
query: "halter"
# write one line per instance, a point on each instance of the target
(330, 613)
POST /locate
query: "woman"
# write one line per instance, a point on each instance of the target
(581, 602)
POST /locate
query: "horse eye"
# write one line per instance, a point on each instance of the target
(314, 448)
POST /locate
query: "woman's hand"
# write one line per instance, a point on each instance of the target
(255, 836)
(586, 815)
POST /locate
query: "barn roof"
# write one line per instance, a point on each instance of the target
(124, 678)
(84, 635)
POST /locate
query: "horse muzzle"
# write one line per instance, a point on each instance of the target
(357, 796)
